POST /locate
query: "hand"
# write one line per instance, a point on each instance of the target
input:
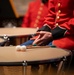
(43, 38)
(34, 37)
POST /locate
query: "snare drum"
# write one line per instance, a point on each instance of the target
(9, 56)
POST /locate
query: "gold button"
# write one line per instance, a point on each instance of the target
(58, 17)
(38, 17)
(35, 25)
(39, 12)
(37, 21)
(57, 24)
(40, 8)
(59, 11)
(59, 4)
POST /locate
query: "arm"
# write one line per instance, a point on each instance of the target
(64, 29)
(67, 27)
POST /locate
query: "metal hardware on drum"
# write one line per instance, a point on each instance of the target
(6, 38)
(63, 63)
(64, 58)
(69, 61)
(24, 67)
(3, 42)
(24, 63)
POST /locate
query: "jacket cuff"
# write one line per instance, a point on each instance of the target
(58, 32)
(44, 28)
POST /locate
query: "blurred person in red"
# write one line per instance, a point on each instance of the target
(35, 14)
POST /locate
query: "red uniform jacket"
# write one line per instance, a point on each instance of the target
(35, 15)
(61, 14)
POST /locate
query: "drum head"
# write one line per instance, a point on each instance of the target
(10, 54)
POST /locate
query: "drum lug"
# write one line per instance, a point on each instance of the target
(64, 58)
(24, 63)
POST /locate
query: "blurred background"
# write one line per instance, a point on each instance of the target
(12, 12)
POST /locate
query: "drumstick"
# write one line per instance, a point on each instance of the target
(33, 47)
(24, 48)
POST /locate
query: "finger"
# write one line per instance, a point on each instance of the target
(36, 40)
(42, 33)
(40, 44)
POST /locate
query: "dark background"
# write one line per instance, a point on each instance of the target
(7, 15)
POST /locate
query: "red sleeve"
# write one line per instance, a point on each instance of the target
(69, 26)
(26, 19)
(50, 18)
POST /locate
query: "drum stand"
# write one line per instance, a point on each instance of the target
(24, 67)
(24, 70)
(61, 66)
